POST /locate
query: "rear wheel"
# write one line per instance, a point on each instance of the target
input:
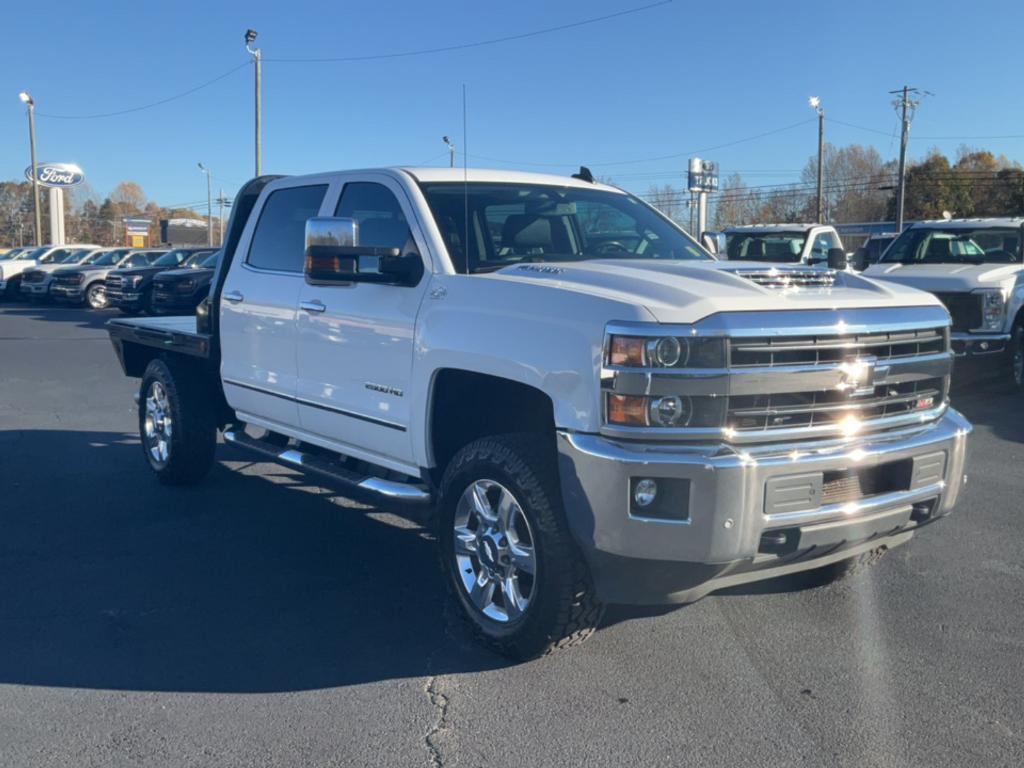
(96, 296)
(505, 546)
(176, 424)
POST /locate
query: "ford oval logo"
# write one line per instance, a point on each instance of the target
(56, 174)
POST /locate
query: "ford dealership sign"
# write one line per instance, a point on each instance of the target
(56, 174)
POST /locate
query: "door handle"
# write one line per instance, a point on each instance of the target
(315, 306)
(233, 296)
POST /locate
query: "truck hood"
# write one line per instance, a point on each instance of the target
(686, 291)
(51, 267)
(185, 273)
(951, 278)
(84, 268)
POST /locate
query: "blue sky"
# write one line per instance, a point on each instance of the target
(669, 80)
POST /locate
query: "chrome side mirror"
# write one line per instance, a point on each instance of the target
(334, 255)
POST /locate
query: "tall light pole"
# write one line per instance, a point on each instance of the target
(26, 99)
(209, 204)
(451, 150)
(815, 103)
(250, 38)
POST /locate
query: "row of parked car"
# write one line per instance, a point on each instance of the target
(133, 280)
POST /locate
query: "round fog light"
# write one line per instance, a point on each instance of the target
(644, 492)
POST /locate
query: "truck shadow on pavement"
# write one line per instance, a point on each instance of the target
(246, 583)
(77, 316)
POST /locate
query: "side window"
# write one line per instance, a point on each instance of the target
(381, 221)
(137, 260)
(279, 240)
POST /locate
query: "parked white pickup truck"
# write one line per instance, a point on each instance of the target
(593, 409)
(975, 267)
(807, 244)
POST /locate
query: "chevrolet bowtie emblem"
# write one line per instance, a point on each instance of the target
(859, 377)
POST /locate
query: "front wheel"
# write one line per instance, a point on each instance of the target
(1017, 356)
(176, 424)
(506, 549)
(96, 296)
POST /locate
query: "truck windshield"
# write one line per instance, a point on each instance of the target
(111, 257)
(521, 223)
(779, 247)
(34, 254)
(196, 259)
(210, 262)
(171, 258)
(955, 245)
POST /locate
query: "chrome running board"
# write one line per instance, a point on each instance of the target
(386, 489)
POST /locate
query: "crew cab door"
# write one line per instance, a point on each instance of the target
(355, 340)
(259, 302)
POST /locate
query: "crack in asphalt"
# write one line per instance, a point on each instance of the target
(440, 702)
(431, 687)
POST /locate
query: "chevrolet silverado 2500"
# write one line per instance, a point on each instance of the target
(592, 408)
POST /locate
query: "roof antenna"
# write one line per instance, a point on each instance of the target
(465, 178)
(584, 175)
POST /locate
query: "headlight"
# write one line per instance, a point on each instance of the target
(665, 352)
(993, 308)
(668, 411)
(135, 281)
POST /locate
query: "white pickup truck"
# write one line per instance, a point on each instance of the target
(807, 244)
(591, 407)
(976, 268)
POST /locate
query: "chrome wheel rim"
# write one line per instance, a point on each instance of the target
(494, 551)
(157, 426)
(98, 296)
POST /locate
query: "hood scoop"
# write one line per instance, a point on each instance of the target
(774, 277)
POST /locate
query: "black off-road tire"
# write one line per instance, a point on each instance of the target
(193, 434)
(1016, 355)
(564, 610)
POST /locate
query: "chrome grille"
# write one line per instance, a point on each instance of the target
(790, 278)
(832, 407)
(815, 350)
(787, 375)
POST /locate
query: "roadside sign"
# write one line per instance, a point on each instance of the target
(702, 176)
(56, 174)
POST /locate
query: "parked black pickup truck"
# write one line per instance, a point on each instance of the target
(131, 290)
(179, 291)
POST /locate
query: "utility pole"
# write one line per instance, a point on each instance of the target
(209, 204)
(27, 100)
(221, 201)
(250, 38)
(907, 108)
(451, 150)
(815, 103)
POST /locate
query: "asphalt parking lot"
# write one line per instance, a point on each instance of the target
(260, 619)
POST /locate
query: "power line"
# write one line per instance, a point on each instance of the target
(152, 104)
(652, 159)
(476, 44)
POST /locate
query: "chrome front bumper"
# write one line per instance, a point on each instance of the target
(35, 289)
(978, 344)
(728, 499)
(68, 293)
